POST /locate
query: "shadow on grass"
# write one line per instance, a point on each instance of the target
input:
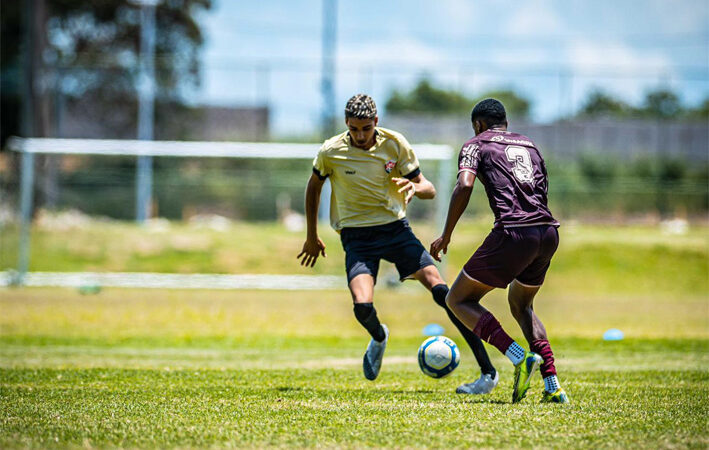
(413, 391)
(287, 389)
(479, 400)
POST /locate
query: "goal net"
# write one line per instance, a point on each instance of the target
(222, 182)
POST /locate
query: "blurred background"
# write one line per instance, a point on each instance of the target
(616, 95)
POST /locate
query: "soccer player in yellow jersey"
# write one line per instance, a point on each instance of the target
(374, 174)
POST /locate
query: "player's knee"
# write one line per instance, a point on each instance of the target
(439, 292)
(519, 310)
(359, 298)
(452, 301)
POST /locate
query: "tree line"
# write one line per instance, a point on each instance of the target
(89, 51)
(660, 103)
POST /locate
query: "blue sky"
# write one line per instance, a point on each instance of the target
(553, 52)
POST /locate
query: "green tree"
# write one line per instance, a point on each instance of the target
(425, 98)
(601, 104)
(658, 104)
(662, 104)
(94, 46)
(517, 107)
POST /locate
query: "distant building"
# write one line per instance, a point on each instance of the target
(82, 119)
(231, 124)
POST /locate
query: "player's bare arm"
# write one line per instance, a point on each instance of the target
(459, 201)
(418, 186)
(313, 246)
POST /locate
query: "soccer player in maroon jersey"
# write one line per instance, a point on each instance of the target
(518, 250)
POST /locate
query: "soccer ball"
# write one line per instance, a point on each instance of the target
(438, 356)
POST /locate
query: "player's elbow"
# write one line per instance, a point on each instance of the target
(464, 188)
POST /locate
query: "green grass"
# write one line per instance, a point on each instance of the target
(335, 407)
(172, 368)
(168, 368)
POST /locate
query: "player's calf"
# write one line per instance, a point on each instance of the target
(488, 378)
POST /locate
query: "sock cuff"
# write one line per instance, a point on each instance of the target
(539, 343)
(439, 292)
(484, 322)
(542, 347)
(364, 311)
(440, 286)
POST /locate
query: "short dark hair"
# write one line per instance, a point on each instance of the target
(361, 106)
(490, 110)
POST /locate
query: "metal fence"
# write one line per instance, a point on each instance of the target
(626, 139)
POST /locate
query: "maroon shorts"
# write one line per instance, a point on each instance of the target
(521, 253)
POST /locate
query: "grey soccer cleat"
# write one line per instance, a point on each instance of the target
(483, 385)
(372, 360)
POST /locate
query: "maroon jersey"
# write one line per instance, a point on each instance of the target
(514, 175)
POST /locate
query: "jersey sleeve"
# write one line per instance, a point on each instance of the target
(320, 167)
(408, 163)
(469, 158)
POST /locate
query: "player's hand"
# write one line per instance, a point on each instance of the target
(440, 244)
(312, 249)
(406, 186)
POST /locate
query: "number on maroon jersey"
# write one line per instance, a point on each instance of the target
(522, 163)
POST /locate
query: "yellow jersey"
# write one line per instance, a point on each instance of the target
(362, 191)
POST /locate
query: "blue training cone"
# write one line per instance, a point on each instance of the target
(613, 334)
(433, 329)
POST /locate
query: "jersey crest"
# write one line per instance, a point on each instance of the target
(389, 166)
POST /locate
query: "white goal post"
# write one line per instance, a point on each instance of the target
(29, 147)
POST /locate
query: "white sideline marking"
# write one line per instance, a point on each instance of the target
(177, 281)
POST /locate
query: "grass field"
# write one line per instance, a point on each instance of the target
(169, 368)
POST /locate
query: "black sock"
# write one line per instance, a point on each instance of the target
(476, 345)
(367, 316)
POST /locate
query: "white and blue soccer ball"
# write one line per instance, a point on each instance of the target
(438, 356)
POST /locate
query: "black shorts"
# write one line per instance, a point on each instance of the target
(394, 242)
(521, 253)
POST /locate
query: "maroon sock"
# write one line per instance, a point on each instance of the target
(542, 347)
(489, 330)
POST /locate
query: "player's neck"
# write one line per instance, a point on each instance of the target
(369, 144)
(498, 128)
(366, 146)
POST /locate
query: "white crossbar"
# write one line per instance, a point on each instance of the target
(117, 147)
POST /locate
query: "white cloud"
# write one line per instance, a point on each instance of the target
(456, 17)
(585, 54)
(406, 49)
(669, 17)
(534, 18)
(616, 68)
